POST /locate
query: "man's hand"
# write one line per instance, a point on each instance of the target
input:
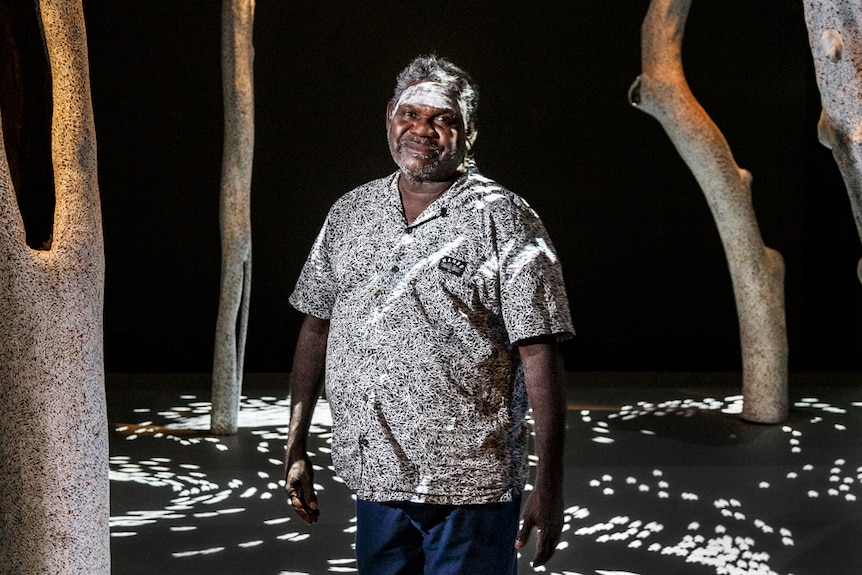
(544, 511)
(299, 485)
(306, 383)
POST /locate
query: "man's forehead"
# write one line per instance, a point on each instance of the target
(428, 108)
(432, 94)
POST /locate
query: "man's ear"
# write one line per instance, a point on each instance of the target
(389, 109)
(470, 134)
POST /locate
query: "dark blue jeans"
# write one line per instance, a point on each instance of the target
(402, 538)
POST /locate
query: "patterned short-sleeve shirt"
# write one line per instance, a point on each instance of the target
(424, 381)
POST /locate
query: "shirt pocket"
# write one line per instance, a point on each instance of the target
(450, 298)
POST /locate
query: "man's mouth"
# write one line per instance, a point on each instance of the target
(420, 148)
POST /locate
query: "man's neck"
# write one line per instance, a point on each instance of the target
(417, 195)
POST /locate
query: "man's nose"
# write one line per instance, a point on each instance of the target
(423, 127)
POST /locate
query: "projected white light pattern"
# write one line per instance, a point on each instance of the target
(726, 538)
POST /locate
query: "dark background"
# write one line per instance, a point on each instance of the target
(645, 270)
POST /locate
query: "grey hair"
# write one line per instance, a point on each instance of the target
(438, 69)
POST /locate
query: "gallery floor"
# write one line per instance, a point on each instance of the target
(663, 478)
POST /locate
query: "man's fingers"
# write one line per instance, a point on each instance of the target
(524, 534)
(546, 544)
(304, 503)
(307, 512)
(546, 541)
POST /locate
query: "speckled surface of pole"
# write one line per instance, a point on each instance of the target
(234, 218)
(757, 272)
(835, 36)
(54, 504)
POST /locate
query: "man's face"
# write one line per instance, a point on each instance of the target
(426, 135)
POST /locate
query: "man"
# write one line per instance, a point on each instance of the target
(434, 302)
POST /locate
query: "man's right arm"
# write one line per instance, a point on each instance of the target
(306, 383)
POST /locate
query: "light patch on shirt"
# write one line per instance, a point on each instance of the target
(530, 253)
(433, 260)
(487, 199)
(424, 484)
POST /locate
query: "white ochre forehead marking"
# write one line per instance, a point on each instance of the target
(430, 94)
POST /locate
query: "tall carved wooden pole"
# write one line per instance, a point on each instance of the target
(235, 220)
(54, 504)
(835, 36)
(757, 272)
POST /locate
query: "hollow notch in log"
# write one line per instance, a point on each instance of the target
(26, 108)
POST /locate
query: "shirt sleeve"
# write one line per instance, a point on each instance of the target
(532, 291)
(316, 288)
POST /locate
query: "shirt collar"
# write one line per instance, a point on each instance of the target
(447, 201)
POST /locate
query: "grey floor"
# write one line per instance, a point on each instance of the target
(663, 478)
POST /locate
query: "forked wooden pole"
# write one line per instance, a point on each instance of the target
(757, 271)
(234, 218)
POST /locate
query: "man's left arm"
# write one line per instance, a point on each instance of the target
(543, 375)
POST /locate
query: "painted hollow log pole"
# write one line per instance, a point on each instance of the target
(835, 37)
(234, 213)
(757, 272)
(54, 504)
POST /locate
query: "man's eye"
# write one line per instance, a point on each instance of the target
(446, 120)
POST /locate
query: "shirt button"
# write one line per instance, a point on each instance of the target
(395, 269)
